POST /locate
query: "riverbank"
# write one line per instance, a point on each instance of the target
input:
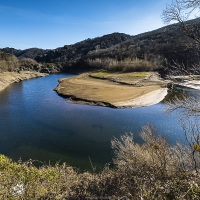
(7, 78)
(115, 90)
(190, 81)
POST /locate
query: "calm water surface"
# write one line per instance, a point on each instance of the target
(36, 123)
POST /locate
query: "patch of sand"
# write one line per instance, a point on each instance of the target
(148, 99)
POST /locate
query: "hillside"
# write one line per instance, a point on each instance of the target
(11, 63)
(72, 53)
(69, 55)
(27, 53)
(159, 48)
(154, 50)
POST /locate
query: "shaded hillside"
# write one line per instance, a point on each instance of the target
(27, 53)
(155, 50)
(11, 63)
(73, 53)
(161, 47)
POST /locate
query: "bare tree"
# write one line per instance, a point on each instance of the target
(177, 69)
(190, 106)
(189, 114)
(180, 11)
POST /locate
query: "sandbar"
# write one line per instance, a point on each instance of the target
(86, 89)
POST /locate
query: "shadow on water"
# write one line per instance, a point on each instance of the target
(36, 123)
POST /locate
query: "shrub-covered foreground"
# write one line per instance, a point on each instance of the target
(153, 170)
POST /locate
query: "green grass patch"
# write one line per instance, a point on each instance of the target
(138, 74)
(101, 73)
(108, 74)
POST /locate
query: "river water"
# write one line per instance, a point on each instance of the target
(37, 124)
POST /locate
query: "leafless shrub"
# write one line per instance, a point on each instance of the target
(155, 155)
(28, 60)
(182, 69)
(125, 65)
(8, 62)
(189, 106)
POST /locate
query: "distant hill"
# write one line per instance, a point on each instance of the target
(27, 53)
(152, 50)
(161, 47)
(72, 53)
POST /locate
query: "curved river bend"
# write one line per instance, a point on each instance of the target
(36, 123)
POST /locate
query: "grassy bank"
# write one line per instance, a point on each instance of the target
(153, 170)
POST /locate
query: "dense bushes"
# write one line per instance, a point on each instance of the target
(8, 62)
(11, 63)
(126, 65)
(153, 170)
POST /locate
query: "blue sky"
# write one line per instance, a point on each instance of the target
(55, 23)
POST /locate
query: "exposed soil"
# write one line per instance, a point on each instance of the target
(107, 91)
(6, 78)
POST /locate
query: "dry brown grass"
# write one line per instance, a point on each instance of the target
(8, 62)
(126, 65)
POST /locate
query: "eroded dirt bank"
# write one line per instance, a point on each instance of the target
(7, 78)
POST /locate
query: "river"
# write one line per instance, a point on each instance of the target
(37, 124)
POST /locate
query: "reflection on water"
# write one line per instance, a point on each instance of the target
(36, 123)
(181, 93)
(176, 92)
